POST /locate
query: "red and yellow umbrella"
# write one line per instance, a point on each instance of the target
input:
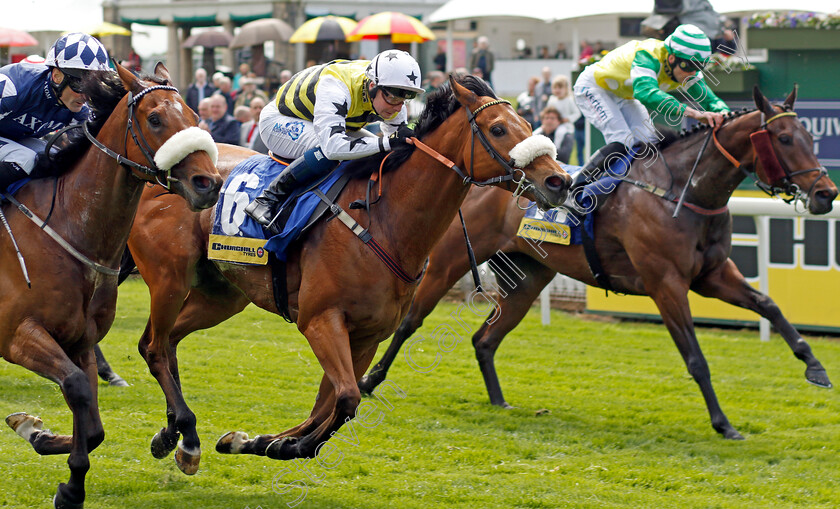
(400, 27)
(324, 28)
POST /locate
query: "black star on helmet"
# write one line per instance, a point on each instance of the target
(392, 55)
(341, 108)
(412, 77)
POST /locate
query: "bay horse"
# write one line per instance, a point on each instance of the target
(342, 298)
(51, 328)
(641, 247)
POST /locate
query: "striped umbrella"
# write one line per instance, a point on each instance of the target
(324, 28)
(400, 27)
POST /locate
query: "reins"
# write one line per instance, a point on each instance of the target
(510, 175)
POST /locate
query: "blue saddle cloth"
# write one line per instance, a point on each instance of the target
(246, 182)
(585, 200)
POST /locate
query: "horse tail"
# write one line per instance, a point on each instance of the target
(127, 266)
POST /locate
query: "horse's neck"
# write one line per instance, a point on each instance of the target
(98, 199)
(715, 178)
(423, 197)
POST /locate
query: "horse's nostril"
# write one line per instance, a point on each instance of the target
(555, 183)
(202, 184)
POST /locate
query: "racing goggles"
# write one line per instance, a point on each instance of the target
(397, 96)
(73, 83)
(689, 65)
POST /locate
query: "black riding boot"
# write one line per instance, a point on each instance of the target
(595, 166)
(9, 174)
(264, 208)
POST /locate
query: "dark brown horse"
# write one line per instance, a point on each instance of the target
(51, 328)
(643, 250)
(342, 298)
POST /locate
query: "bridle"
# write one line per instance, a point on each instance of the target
(508, 165)
(779, 177)
(161, 177)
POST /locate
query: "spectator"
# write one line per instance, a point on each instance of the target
(552, 127)
(199, 89)
(440, 59)
(544, 53)
(483, 58)
(526, 102)
(436, 80)
(249, 91)
(543, 91)
(252, 137)
(223, 127)
(560, 52)
(585, 51)
(727, 45)
(285, 75)
(478, 73)
(225, 91)
(562, 100)
(242, 114)
(244, 69)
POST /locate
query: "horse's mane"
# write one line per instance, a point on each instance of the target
(104, 91)
(440, 105)
(672, 137)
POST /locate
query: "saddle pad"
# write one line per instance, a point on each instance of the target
(556, 226)
(231, 226)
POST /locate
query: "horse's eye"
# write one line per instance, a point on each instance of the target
(785, 139)
(154, 120)
(497, 131)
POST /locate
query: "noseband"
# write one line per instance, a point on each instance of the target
(162, 177)
(780, 178)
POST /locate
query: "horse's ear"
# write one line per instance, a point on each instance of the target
(791, 98)
(462, 94)
(162, 72)
(130, 81)
(762, 103)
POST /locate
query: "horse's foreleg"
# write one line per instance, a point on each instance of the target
(670, 293)
(104, 370)
(515, 299)
(40, 353)
(442, 273)
(329, 339)
(727, 284)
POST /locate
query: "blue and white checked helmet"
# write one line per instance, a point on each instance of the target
(76, 52)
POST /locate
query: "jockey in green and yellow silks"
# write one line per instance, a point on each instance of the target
(617, 93)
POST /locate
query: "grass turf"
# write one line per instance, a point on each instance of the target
(606, 416)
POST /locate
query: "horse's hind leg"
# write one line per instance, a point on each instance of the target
(727, 284)
(514, 303)
(40, 353)
(104, 370)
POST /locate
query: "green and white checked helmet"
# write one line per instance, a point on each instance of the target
(689, 43)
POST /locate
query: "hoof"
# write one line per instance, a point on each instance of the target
(62, 502)
(732, 434)
(367, 384)
(282, 449)
(818, 377)
(187, 459)
(231, 442)
(24, 424)
(117, 381)
(161, 445)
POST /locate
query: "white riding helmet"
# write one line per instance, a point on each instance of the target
(78, 52)
(397, 71)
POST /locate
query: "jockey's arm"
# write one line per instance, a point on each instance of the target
(332, 102)
(643, 72)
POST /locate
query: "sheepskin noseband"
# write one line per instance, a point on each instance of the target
(531, 148)
(184, 143)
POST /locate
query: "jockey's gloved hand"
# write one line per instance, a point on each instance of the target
(401, 136)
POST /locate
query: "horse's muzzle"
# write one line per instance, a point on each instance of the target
(556, 188)
(202, 192)
(822, 201)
